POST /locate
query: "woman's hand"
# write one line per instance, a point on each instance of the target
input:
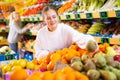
(30, 25)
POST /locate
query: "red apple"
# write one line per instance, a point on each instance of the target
(117, 58)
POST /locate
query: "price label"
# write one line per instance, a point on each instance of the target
(32, 19)
(105, 40)
(8, 57)
(38, 19)
(77, 16)
(1, 20)
(32, 47)
(30, 33)
(59, 17)
(89, 15)
(3, 30)
(103, 14)
(28, 19)
(68, 17)
(118, 14)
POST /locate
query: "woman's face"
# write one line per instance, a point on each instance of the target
(51, 19)
(16, 17)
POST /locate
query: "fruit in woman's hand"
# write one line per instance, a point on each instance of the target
(91, 46)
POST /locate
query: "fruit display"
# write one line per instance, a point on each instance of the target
(6, 50)
(88, 5)
(18, 64)
(97, 28)
(72, 63)
(82, 65)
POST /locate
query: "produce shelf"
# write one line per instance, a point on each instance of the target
(77, 16)
(115, 41)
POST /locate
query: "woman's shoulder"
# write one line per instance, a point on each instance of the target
(63, 25)
(42, 29)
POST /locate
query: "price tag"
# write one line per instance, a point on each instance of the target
(32, 47)
(32, 19)
(103, 14)
(28, 19)
(77, 16)
(118, 14)
(89, 15)
(30, 33)
(38, 19)
(1, 20)
(59, 17)
(68, 17)
(3, 30)
(8, 57)
(105, 40)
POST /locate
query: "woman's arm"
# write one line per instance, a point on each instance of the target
(82, 40)
(24, 29)
(39, 52)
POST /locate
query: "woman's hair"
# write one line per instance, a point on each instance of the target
(12, 18)
(47, 8)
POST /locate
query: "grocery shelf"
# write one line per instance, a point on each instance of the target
(2, 20)
(115, 41)
(4, 42)
(77, 16)
(92, 15)
(4, 30)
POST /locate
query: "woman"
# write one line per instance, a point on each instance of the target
(55, 35)
(15, 30)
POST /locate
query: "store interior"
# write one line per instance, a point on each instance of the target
(98, 18)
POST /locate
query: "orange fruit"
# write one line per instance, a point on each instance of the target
(50, 66)
(46, 75)
(59, 75)
(20, 74)
(35, 76)
(55, 56)
(43, 65)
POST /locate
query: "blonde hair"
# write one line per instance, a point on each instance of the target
(47, 8)
(12, 18)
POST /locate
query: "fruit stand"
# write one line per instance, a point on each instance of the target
(99, 18)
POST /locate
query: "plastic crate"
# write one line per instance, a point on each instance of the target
(5, 57)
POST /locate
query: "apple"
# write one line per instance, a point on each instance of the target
(30, 65)
(117, 58)
(16, 67)
(22, 63)
(7, 68)
(14, 62)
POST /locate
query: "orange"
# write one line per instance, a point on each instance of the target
(20, 74)
(47, 58)
(35, 76)
(35, 61)
(43, 65)
(75, 47)
(51, 64)
(80, 76)
(55, 56)
(59, 75)
(46, 75)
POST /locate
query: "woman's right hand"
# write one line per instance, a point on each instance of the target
(30, 25)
